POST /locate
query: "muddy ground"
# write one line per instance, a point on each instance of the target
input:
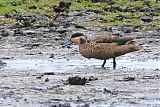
(31, 52)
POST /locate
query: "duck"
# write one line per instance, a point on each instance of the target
(104, 47)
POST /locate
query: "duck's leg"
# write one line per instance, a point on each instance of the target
(114, 63)
(104, 62)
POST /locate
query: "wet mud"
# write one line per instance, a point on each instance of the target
(36, 68)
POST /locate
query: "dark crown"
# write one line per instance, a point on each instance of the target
(77, 35)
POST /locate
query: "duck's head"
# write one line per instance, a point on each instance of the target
(76, 38)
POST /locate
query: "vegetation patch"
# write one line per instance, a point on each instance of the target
(112, 13)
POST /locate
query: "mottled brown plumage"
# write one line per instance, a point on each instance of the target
(105, 50)
(105, 47)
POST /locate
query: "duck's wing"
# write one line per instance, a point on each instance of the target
(104, 39)
(112, 39)
(124, 40)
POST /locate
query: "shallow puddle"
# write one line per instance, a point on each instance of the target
(61, 65)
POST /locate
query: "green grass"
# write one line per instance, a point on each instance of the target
(108, 15)
(6, 7)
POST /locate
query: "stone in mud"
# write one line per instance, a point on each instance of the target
(154, 9)
(133, 0)
(145, 9)
(15, 3)
(18, 32)
(25, 99)
(32, 45)
(46, 80)
(79, 26)
(2, 63)
(7, 15)
(146, 19)
(120, 18)
(39, 77)
(77, 80)
(129, 78)
(95, 11)
(20, 18)
(6, 58)
(156, 69)
(61, 31)
(105, 91)
(44, 17)
(61, 105)
(119, 8)
(107, 28)
(94, 1)
(49, 73)
(4, 33)
(136, 8)
(65, 47)
(51, 56)
(58, 38)
(62, 6)
(30, 32)
(30, 54)
(151, 77)
(84, 105)
(27, 23)
(17, 25)
(91, 78)
(33, 7)
(127, 29)
(147, 3)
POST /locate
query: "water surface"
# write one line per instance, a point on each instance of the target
(61, 65)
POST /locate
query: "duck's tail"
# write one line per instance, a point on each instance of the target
(129, 47)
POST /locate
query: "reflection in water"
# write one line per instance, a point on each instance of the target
(59, 65)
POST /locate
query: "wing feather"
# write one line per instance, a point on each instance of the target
(112, 39)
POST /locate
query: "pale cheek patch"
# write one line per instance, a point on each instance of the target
(75, 40)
